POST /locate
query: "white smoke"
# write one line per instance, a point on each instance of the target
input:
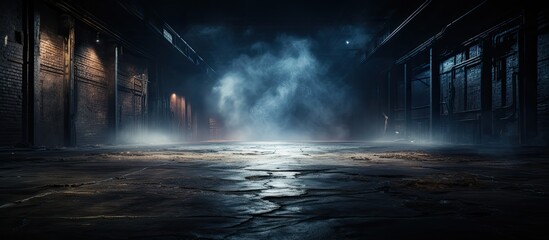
(280, 90)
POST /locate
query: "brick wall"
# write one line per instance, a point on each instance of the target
(92, 63)
(93, 81)
(11, 61)
(49, 94)
(132, 74)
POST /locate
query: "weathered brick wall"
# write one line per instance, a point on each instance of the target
(91, 62)
(11, 60)
(49, 94)
(132, 72)
(543, 77)
(93, 82)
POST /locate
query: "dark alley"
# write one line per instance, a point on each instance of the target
(242, 119)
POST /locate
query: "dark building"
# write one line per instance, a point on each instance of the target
(468, 72)
(80, 73)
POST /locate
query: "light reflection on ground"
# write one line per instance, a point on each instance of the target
(290, 190)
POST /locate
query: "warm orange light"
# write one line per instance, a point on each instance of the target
(173, 102)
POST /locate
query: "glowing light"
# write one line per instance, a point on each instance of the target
(347, 42)
(397, 132)
(97, 38)
(173, 102)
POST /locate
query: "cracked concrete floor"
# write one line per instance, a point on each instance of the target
(275, 190)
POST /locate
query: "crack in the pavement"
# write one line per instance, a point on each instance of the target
(222, 191)
(267, 229)
(251, 218)
(263, 177)
(75, 185)
(288, 170)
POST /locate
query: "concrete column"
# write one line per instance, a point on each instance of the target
(407, 99)
(389, 93)
(434, 100)
(388, 111)
(31, 67)
(528, 75)
(486, 120)
(115, 101)
(68, 79)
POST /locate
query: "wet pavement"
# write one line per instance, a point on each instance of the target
(269, 190)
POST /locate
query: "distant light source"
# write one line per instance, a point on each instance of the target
(347, 42)
(97, 38)
(174, 95)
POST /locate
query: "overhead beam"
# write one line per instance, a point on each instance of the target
(164, 30)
